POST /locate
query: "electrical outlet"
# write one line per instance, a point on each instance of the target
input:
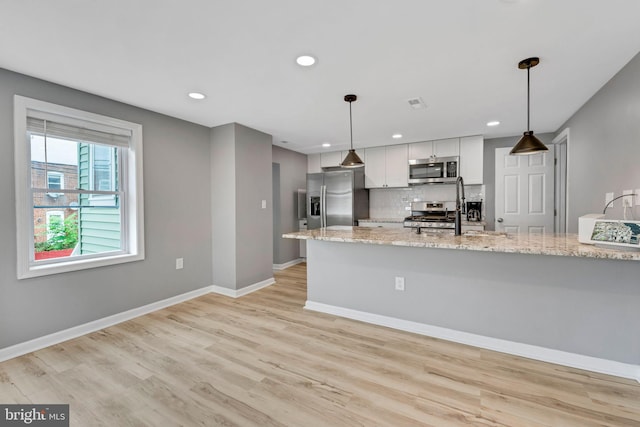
(179, 263)
(399, 283)
(607, 198)
(627, 201)
(637, 196)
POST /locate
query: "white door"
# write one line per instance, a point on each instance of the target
(524, 192)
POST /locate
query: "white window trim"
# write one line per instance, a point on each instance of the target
(133, 208)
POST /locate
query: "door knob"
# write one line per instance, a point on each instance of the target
(500, 219)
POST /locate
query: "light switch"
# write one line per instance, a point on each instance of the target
(264, 204)
(637, 196)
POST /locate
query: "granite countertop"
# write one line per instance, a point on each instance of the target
(487, 241)
(401, 220)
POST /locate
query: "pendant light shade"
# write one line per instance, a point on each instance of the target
(351, 160)
(528, 144)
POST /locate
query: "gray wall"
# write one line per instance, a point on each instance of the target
(293, 175)
(564, 303)
(277, 229)
(223, 205)
(604, 146)
(489, 171)
(242, 231)
(254, 229)
(177, 210)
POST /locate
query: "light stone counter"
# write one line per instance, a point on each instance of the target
(486, 241)
(398, 220)
(401, 220)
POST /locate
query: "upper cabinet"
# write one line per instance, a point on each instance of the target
(472, 159)
(331, 159)
(313, 163)
(386, 167)
(438, 148)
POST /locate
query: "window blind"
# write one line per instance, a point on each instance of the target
(80, 131)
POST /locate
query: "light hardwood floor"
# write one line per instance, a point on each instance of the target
(262, 360)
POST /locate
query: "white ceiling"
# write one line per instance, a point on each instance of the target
(459, 56)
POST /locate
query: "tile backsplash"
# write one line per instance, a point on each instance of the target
(396, 202)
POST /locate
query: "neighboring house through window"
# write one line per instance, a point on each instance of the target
(55, 181)
(98, 217)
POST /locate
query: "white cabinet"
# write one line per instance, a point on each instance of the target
(420, 150)
(472, 159)
(386, 167)
(313, 163)
(330, 159)
(375, 167)
(397, 166)
(439, 148)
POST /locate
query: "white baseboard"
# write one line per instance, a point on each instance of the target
(564, 358)
(96, 325)
(233, 293)
(278, 267)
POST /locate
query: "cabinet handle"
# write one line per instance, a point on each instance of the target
(500, 219)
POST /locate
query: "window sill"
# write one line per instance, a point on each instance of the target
(78, 264)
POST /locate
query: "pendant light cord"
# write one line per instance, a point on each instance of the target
(350, 125)
(528, 100)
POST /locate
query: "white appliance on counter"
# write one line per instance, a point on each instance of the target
(585, 227)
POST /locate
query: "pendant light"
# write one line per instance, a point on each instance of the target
(352, 160)
(528, 144)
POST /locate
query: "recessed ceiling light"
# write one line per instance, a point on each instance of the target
(305, 60)
(493, 123)
(197, 95)
(396, 136)
(326, 145)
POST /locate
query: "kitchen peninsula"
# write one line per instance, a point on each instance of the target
(544, 297)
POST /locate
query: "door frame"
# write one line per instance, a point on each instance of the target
(561, 180)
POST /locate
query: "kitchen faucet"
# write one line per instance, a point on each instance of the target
(459, 206)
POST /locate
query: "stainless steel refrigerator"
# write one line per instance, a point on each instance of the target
(336, 198)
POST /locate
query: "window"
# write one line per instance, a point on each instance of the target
(55, 181)
(102, 174)
(93, 219)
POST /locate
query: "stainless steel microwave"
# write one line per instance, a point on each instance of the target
(434, 170)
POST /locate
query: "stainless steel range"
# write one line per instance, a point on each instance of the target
(431, 216)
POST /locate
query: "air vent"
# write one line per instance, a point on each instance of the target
(416, 103)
